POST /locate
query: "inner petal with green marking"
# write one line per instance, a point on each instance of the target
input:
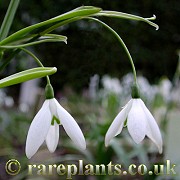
(54, 118)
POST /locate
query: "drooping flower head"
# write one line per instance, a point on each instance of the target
(140, 122)
(45, 127)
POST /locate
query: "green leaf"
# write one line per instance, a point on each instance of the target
(8, 19)
(41, 28)
(46, 38)
(27, 75)
(128, 16)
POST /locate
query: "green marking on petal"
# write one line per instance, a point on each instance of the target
(55, 119)
(125, 123)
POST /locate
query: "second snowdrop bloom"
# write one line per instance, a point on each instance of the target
(45, 127)
(140, 122)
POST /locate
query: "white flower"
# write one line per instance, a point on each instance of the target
(165, 89)
(140, 122)
(111, 84)
(45, 127)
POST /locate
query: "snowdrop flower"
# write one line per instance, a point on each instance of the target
(111, 84)
(45, 127)
(140, 122)
(165, 89)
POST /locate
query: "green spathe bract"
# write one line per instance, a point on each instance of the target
(49, 91)
(135, 91)
(27, 75)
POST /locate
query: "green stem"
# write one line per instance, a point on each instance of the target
(49, 89)
(33, 56)
(8, 18)
(5, 62)
(48, 80)
(63, 19)
(122, 43)
(37, 61)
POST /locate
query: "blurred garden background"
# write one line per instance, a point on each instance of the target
(93, 82)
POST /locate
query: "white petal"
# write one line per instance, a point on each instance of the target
(71, 127)
(38, 130)
(153, 131)
(117, 124)
(53, 106)
(52, 137)
(136, 122)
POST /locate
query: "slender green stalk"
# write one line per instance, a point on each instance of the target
(122, 43)
(37, 61)
(33, 56)
(8, 18)
(13, 53)
(5, 62)
(48, 80)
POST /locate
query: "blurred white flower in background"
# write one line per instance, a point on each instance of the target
(2, 95)
(93, 86)
(127, 81)
(147, 90)
(165, 89)
(8, 101)
(175, 94)
(5, 100)
(111, 85)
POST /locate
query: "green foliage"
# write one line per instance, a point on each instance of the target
(101, 53)
(26, 76)
(8, 19)
(90, 50)
(39, 32)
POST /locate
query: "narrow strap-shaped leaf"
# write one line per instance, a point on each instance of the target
(42, 26)
(8, 19)
(42, 39)
(27, 75)
(127, 16)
